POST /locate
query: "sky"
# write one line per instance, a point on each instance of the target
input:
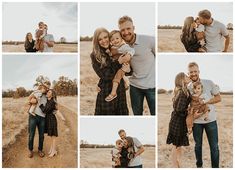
(20, 18)
(105, 130)
(218, 68)
(22, 70)
(174, 13)
(95, 15)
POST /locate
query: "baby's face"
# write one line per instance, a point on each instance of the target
(119, 145)
(116, 40)
(198, 89)
(197, 22)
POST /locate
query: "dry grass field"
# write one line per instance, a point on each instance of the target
(58, 48)
(225, 127)
(15, 136)
(169, 41)
(89, 81)
(101, 157)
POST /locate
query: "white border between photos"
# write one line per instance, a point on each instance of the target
(78, 54)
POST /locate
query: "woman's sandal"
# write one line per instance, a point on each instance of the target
(110, 97)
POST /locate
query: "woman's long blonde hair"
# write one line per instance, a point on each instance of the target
(187, 29)
(180, 85)
(97, 49)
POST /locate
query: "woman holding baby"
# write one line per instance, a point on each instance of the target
(106, 68)
(193, 36)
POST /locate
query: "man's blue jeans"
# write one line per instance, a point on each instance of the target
(137, 100)
(39, 122)
(212, 137)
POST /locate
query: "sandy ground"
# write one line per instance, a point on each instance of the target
(15, 152)
(101, 158)
(89, 81)
(59, 48)
(225, 126)
(169, 41)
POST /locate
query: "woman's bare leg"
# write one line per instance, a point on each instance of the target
(176, 157)
(53, 152)
(50, 139)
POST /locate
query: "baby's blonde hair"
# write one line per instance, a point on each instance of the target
(114, 32)
(118, 141)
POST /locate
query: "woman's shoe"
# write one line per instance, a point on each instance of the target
(53, 154)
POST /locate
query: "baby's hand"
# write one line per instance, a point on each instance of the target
(98, 89)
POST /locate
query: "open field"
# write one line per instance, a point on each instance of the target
(88, 83)
(101, 157)
(169, 41)
(58, 48)
(15, 136)
(224, 111)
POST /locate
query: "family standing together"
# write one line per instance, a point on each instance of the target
(43, 42)
(42, 111)
(194, 111)
(127, 153)
(119, 53)
(204, 34)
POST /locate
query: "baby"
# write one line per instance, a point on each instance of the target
(197, 105)
(200, 34)
(36, 94)
(40, 34)
(118, 49)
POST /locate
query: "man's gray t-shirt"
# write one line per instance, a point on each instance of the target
(143, 62)
(48, 37)
(137, 160)
(42, 100)
(210, 90)
(215, 34)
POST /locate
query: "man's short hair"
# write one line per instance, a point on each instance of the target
(40, 23)
(124, 19)
(206, 14)
(120, 131)
(192, 64)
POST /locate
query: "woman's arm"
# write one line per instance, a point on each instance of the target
(60, 115)
(107, 72)
(181, 103)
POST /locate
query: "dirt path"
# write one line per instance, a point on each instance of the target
(15, 156)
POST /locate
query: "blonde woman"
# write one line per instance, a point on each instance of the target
(106, 68)
(177, 134)
(189, 37)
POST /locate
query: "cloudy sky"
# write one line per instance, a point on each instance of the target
(174, 13)
(22, 70)
(218, 68)
(20, 18)
(95, 15)
(95, 130)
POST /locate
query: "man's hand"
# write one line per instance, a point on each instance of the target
(50, 43)
(124, 58)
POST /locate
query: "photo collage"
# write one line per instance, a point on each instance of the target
(117, 84)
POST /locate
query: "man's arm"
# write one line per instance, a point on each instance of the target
(214, 100)
(50, 43)
(32, 99)
(140, 151)
(227, 40)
